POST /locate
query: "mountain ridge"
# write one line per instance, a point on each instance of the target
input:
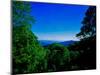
(48, 42)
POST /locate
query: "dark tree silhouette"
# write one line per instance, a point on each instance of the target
(89, 24)
(87, 37)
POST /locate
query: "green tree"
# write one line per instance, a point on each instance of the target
(58, 56)
(21, 13)
(74, 58)
(27, 54)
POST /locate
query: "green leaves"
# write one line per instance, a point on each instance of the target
(21, 13)
(26, 50)
(27, 53)
(58, 56)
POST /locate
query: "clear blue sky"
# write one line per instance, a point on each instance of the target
(57, 21)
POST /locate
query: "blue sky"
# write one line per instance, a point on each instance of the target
(59, 22)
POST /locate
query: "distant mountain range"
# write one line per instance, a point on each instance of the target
(48, 42)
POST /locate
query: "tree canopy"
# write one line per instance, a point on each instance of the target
(89, 24)
(21, 13)
(27, 52)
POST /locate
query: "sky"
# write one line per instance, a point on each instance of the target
(60, 22)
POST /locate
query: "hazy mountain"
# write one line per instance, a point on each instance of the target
(66, 43)
(48, 42)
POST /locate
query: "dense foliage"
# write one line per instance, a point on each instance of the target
(30, 57)
(27, 55)
(88, 40)
(21, 13)
(87, 44)
(58, 57)
(89, 24)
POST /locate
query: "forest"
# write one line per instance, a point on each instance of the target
(29, 56)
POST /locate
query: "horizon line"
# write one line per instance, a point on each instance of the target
(56, 40)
